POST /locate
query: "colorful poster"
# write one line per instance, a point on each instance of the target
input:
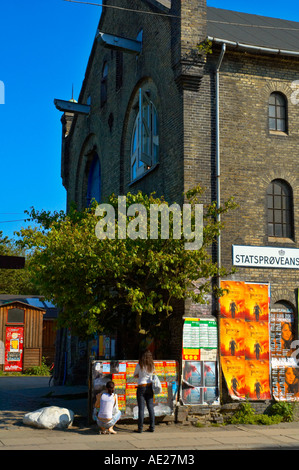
(14, 348)
(232, 334)
(244, 339)
(285, 369)
(257, 340)
(257, 384)
(282, 332)
(122, 374)
(232, 304)
(256, 302)
(200, 339)
(200, 383)
(285, 379)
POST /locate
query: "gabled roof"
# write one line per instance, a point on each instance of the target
(22, 304)
(253, 30)
(33, 301)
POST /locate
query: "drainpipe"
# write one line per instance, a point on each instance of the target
(217, 76)
(218, 170)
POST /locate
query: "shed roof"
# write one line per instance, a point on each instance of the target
(253, 30)
(32, 301)
(23, 304)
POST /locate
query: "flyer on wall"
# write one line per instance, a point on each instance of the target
(122, 374)
(284, 362)
(244, 339)
(199, 381)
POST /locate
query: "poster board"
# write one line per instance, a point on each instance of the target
(284, 360)
(244, 340)
(125, 385)
(199, 381)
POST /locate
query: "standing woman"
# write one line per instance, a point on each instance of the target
(144, 371)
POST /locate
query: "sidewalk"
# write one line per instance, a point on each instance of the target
(167, 438)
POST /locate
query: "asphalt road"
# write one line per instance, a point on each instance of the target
(22, 383)
(21, 394)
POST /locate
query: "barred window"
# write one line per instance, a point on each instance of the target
(280, 209)
(277, 112)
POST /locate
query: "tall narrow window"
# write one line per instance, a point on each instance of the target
(277, 112)
(119, 70)
(94, 182)
(104, 84)
(280, 209)
(145, 137)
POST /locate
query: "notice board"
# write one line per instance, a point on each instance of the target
(284, 356)
(199, 383)
(121, 372)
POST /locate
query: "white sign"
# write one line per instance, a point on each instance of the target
(265, 257)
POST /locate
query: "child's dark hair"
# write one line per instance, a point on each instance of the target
(110, 382)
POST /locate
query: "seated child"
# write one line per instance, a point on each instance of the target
(108, 414)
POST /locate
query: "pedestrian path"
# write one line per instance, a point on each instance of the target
(165, 439)
(168, 438)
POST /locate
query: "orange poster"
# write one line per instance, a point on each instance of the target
(257, 340)
(234, 373)
(244, 339)
(257, 302)
(232, 304)
(257, 380)
(232, 337)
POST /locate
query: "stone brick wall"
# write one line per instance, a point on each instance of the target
(252, 156)
(182, 86)
(109, 128)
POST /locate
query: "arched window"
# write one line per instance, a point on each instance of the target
(104, 83)
(94, 182)
(277, 112)
(280, 209)
(145, 137)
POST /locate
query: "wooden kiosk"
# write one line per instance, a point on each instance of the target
(21, 333)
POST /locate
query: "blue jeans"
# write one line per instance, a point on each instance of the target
(112, 422)
(145, 395)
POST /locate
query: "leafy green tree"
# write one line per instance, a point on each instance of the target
(14, 281)
(103, 284)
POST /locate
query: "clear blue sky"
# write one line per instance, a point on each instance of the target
(45, 46)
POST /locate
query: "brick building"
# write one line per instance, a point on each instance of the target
(227, 120)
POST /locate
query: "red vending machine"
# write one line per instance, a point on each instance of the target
(14, 348)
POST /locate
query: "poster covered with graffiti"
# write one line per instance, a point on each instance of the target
(244, 339)
(125, 385)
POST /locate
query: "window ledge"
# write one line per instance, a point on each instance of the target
(279, 133)
(281, 240)
(152, 168)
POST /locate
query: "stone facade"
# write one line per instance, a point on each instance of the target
(181, 84)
